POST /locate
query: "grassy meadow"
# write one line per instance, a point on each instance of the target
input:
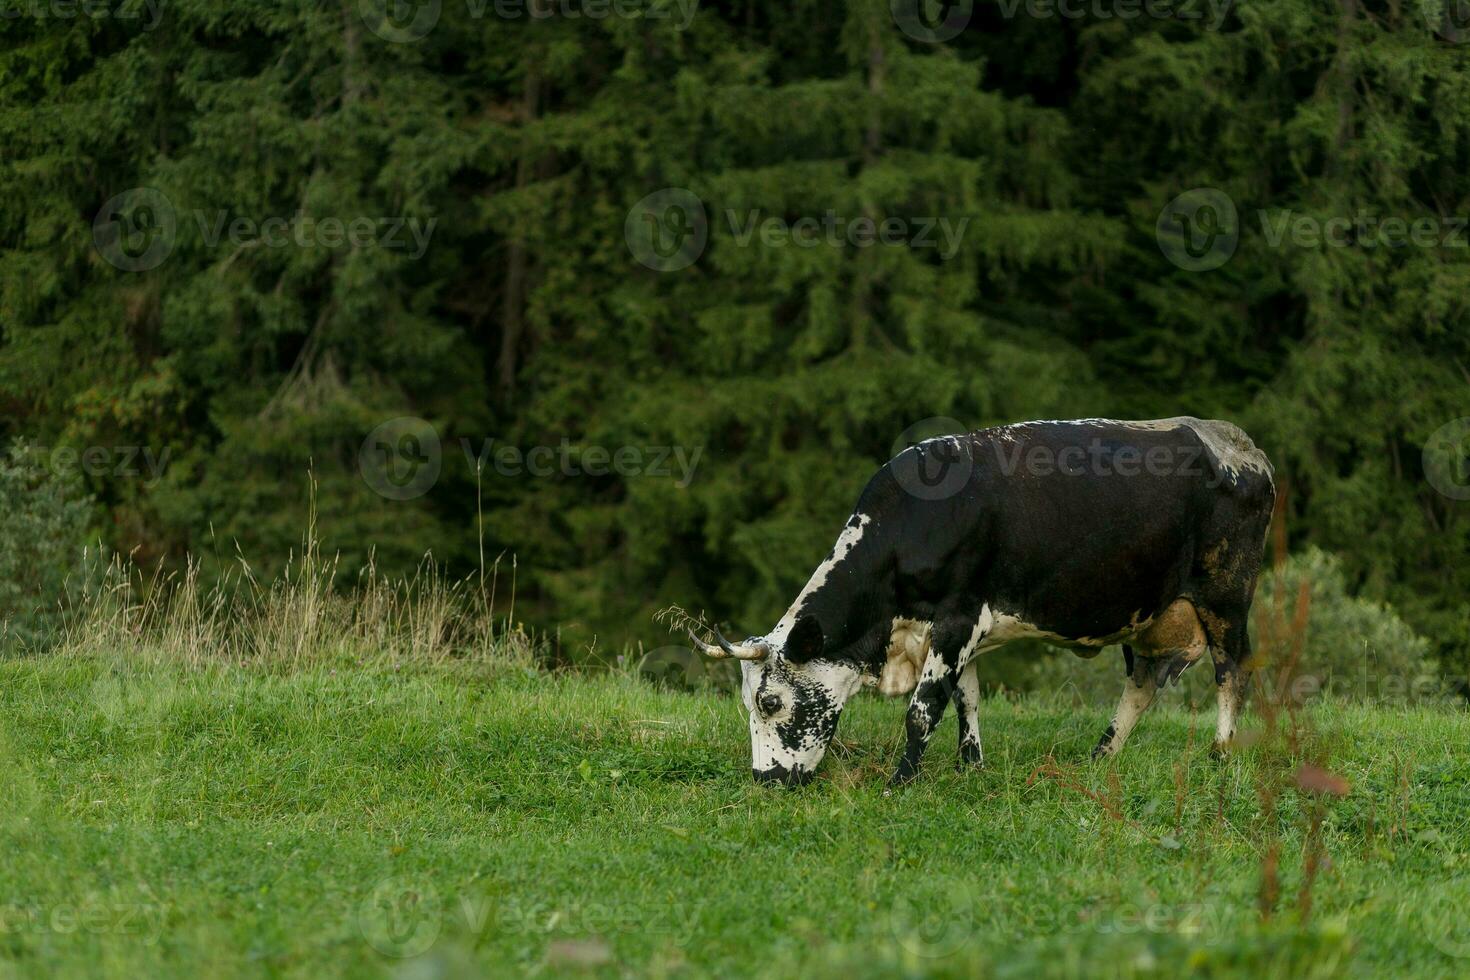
(339, 815)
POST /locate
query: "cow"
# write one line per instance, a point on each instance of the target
(1082, 533)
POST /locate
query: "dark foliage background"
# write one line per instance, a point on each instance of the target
(528, 140)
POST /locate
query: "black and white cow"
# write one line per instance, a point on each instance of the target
(1084, 533)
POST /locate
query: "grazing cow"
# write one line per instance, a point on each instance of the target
(1083, 533)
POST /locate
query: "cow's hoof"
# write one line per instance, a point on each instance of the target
(970, 758)
(1101, 752)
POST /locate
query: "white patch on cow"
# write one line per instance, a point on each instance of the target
(846, 541)
(967, 696)
(983, 629)
(1003, 627)
(980, 633)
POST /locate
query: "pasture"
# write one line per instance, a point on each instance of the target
(350, 817)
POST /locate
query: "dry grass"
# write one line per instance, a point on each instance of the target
(302, 616)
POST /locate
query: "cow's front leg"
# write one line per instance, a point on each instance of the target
(926, 707)
(967, 707)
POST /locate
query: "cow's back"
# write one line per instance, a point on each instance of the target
(1081, 527)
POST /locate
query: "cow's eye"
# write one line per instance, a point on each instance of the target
(769, 704)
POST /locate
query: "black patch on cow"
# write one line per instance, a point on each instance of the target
(805, 640)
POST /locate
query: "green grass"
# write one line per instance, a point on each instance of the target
(164, 819)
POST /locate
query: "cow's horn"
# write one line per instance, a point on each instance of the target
(743, 651)
(708, 649)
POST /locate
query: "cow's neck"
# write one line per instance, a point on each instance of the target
(849, 595)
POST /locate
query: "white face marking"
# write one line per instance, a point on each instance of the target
(793, 710)
(846, 541)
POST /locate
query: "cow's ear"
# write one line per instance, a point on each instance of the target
(805, 640)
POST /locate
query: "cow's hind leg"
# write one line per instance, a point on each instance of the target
(1232, 680)
(1138, 693)
(967, 707)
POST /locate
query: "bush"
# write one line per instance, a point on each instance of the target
(1353, 648)
(43, 525)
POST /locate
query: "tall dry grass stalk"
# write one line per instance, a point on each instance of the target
(302, 616)
(1292, 758)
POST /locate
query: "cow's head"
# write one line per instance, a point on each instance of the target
(793, 696)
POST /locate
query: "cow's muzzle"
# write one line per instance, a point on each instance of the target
(780, 774)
